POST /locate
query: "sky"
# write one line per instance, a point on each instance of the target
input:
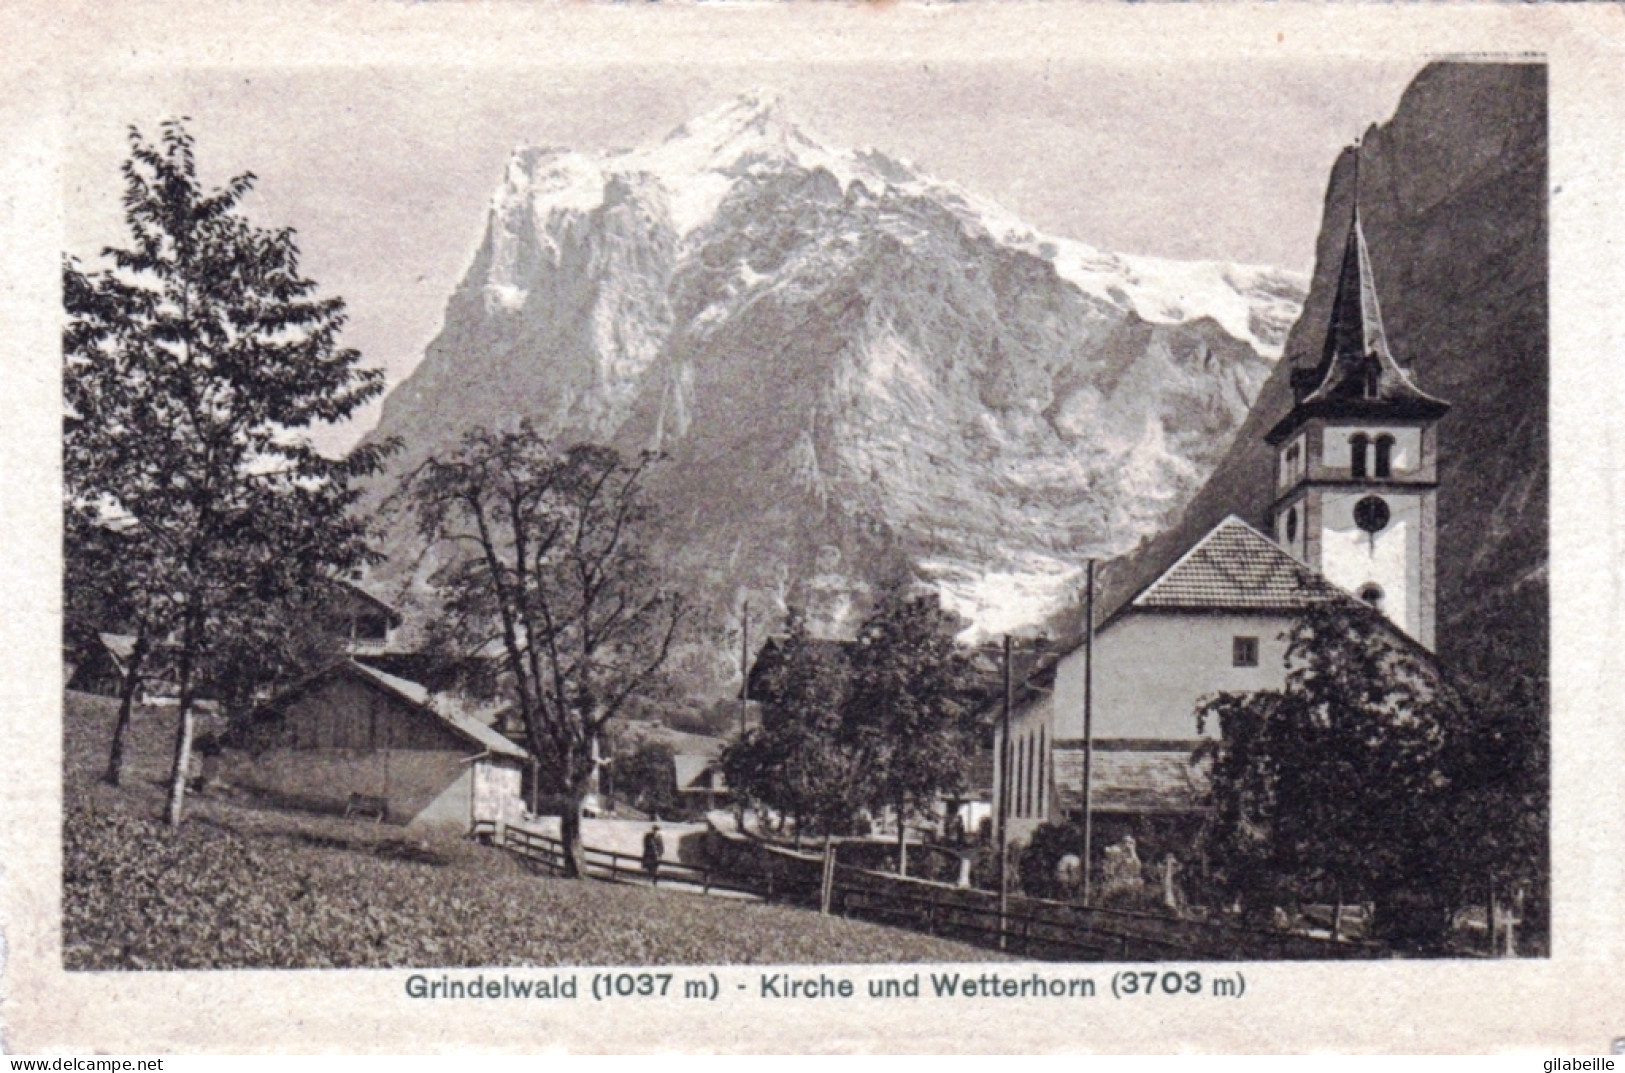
(386, 172)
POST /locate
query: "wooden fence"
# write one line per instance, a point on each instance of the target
(768, 883)
(1028, 927)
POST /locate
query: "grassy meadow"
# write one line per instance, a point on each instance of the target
(240, 886)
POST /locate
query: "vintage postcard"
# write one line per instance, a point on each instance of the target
(1035, 527)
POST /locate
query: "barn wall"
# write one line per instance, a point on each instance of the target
(448, 808)
(342, 738)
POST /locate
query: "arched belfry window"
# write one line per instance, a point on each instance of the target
(1372, 594)
(1292, 526)
(1385, 456)
(1357, 446)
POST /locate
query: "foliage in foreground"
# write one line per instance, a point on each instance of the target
(886, 721)
(547, 567)
(1370, 776)
(195, 366)
(140, 895)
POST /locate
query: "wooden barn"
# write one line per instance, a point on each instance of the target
(354, 738)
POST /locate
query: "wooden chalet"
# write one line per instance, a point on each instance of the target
(354, 738)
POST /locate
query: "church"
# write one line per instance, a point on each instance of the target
(1354, 517)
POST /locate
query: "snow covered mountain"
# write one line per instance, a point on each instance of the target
(859, 372)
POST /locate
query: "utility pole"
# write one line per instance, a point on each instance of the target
(1088, 729)
(1004, 794)
(744, 668)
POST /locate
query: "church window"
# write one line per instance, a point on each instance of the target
(1372, 594)
(1373, 377)
(1032, 780)
(1244, 651)
(1292, 525)
(1021, 773)
(1043, 770)
(1385, 456)
(1357, 446)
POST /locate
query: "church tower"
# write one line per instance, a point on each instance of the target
(1357, 461)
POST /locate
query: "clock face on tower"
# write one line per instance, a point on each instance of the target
(1371, 514)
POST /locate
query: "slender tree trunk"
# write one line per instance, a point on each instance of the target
(575, 863)
(902, 840)
(126, 703)
(183, 737)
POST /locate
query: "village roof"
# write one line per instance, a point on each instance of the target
(447, 710)
(354, 589)
(121, 646)
(1235, 568)
(691, 768)
(414, 695)
(1133, 780)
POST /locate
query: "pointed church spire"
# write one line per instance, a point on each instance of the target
(1357, 371)
(1356, 329)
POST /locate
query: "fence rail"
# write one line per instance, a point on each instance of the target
(768, 884)
(1028, 927)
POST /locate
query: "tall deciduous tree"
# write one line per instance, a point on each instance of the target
(1338, 787)
(883, 721)
(909, 707)
(546, 566)
(800, 762)
(194, 367)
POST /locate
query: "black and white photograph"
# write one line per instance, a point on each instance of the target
(984, 524)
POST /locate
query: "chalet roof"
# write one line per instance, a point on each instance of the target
(1235, 567)
(691, 770)
(413, 695)
(121, 646)
(1357, 375)
(448, 713)
(354, 590)
(1132, 780)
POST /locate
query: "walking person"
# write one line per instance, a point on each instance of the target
(654, 847)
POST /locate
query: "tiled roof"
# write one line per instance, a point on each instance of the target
(1235, 567)
(692, 770)
(1131, 780)
(450, 714)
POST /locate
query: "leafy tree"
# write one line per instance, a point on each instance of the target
(799, 762)
(193, 367)
(1338, 787)
(909, 708)
(645, 776)
(885, 721)
(546, 567)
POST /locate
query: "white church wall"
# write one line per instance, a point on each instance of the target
(1351, 558)
(1151, 669)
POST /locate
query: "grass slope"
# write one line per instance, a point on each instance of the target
(238, 887)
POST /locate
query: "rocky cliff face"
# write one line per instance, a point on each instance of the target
(1453, 199)
(858, 372)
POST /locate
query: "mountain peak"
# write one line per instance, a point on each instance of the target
(759, 113)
